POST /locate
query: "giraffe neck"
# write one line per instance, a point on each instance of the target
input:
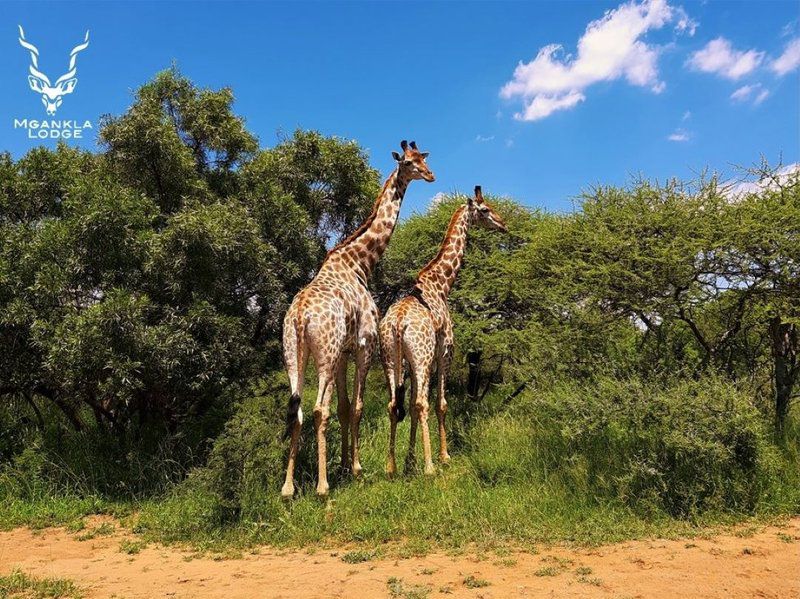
(362, 250)
(439, 274)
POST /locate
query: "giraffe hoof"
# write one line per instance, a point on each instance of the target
(391, 469)
(445, 460)
(287, 492)
(357, 470)
(430, 471)
(322, 490)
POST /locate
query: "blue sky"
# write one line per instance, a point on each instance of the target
(655, 87)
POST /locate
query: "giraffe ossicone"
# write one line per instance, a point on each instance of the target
(335, 317)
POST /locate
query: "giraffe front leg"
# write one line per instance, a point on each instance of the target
(343, 410)
(322, 411)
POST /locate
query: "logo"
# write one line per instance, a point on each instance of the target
(52, 94)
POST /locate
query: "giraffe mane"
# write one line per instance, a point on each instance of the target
(450, 227)
(362, 228)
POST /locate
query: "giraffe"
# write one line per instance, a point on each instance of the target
(335, 317)
(418, 329)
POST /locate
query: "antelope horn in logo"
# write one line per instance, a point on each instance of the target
(40, 83)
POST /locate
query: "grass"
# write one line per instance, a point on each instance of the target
(359, 556)
(104, 530)
(471, 582)
(132, 546)
(451, 511)
(22, 586)
(398, 588)
(516, 479)
(547, 571)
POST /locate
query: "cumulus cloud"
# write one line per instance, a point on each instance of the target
(789, 60)
(482, 138)
(679, 135)
(611, 48)
(721, 58)
(750, 92)
(733, 189)
(438, 198)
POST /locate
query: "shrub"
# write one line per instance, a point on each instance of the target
(682, 448)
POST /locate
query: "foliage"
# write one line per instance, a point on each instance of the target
(616, 372)
(681, 448)
(144, 285)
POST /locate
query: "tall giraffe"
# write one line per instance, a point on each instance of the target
(335, 316)
(418, 329)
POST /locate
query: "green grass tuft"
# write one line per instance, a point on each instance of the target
(471, 582)
(132, 546)
(397, 588)
(22, 586)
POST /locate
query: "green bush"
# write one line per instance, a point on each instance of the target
(682, 448)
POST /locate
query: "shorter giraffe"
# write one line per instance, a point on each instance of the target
(418, 329)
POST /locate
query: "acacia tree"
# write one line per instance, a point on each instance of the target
(680, 260)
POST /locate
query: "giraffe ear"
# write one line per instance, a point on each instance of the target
(424, 155)
(397, 156)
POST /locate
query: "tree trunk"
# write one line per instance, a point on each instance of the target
(474, 374)
(785, 345)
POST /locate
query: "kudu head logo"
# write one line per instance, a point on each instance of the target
(52, 93)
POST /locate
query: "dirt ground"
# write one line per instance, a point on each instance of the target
(753, 563)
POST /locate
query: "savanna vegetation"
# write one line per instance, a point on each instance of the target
(624, 369)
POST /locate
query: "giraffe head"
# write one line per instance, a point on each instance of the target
(412, 162)
(484, 215)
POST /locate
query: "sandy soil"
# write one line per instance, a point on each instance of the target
(760, 563)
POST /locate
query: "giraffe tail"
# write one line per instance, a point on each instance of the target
(399, 374)
(294, 346)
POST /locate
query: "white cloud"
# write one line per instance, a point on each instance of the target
(679, 135)
(744, 92)
(437, 199)
(720, 57)
(762, 95)
(611, 48)
(748, 92)
(483, 138)
(789, 60)
(544, 105)
(733, 189)
(686, 115)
